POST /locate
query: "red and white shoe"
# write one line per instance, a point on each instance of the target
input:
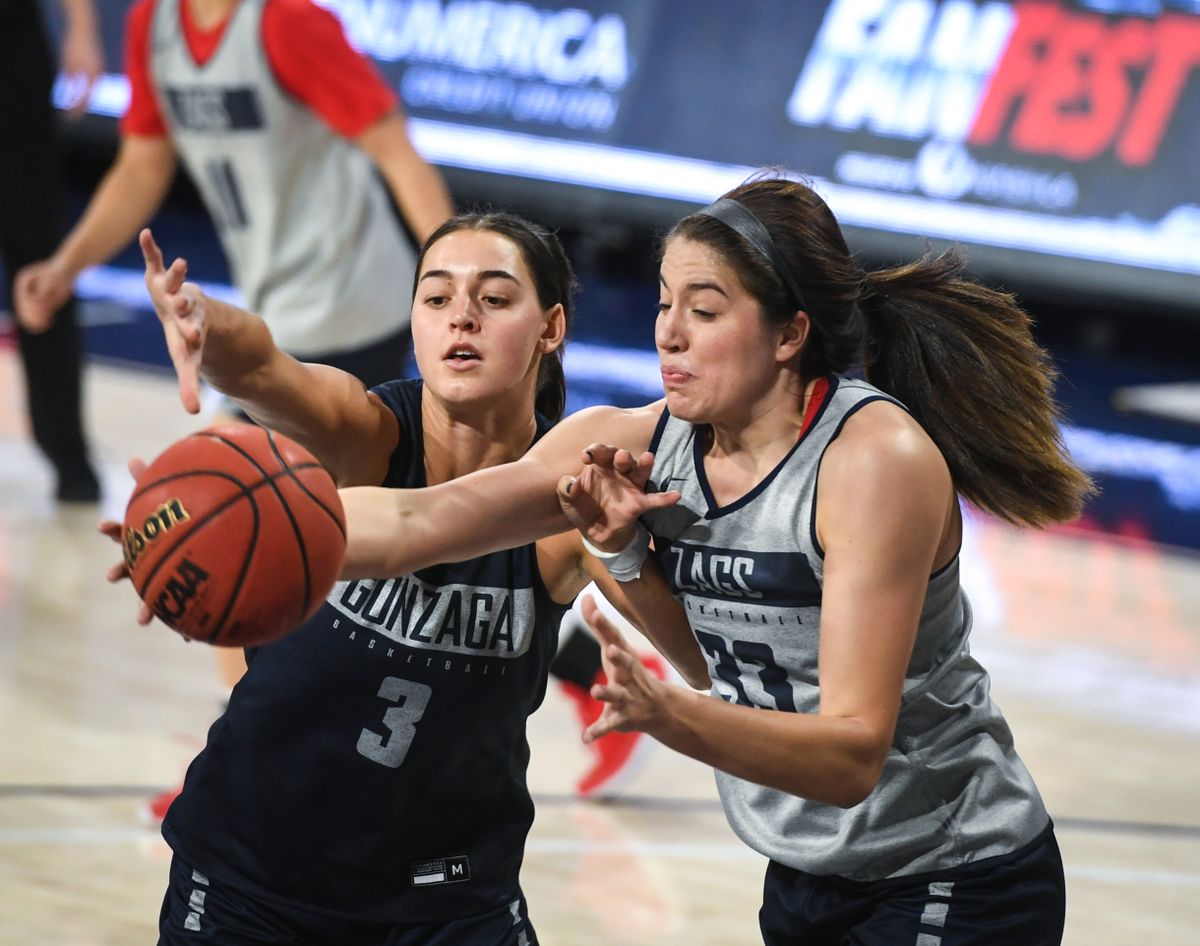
(155, 809)
(618, 755)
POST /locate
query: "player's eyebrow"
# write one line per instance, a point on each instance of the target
(486, 274)
(697, 286)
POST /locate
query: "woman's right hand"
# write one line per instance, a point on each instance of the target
(181, 309)
(116, 531)
(608, 496)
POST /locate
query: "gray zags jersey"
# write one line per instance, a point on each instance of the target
(750, 576)
(308, 229)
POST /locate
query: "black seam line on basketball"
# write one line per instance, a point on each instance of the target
(283, 504)
(245, 492)
(241, 578)
(309, 493)
(205, 471)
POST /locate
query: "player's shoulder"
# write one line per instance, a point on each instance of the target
(293, 14)
(619, 425)
(881, 436)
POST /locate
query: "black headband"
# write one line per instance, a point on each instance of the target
(742, 222)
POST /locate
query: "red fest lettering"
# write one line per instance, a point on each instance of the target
(1080, 83)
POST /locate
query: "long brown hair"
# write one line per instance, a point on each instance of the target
(553, 279)
(960, 356)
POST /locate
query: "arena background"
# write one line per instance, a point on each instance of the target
(1066, 174)
(1055, 141)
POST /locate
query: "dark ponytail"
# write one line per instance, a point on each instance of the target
(960, 356)
(553, 279)
(963, 360)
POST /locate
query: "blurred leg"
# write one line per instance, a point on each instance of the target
(31, 225)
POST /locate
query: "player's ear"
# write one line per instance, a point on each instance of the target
(555, 331)
(793, 336)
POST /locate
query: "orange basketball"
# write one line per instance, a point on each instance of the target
(234, 535)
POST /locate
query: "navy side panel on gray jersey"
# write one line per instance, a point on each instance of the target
(750, 575)
(372, 763)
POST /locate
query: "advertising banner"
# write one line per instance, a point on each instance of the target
(1036, 131)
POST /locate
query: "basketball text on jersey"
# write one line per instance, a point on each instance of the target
(453, 618)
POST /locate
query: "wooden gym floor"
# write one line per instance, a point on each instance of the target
(1094, 649)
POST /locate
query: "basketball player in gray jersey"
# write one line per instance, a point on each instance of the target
(282, 127)
(805, 531)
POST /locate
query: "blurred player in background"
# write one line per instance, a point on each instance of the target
(31, 223)
(282, 127)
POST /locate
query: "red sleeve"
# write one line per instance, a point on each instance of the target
(143, 116)
(315, 63)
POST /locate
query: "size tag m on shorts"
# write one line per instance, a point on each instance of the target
(447, 870)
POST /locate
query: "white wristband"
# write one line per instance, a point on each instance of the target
(625, 565)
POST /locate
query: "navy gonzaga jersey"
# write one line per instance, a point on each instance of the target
(372, 763)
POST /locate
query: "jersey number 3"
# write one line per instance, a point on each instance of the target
(400, 721)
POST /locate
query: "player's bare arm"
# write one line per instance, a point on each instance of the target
(417, 186)
(323, 408)
(128, 196)
(395, 532)
(604, 502)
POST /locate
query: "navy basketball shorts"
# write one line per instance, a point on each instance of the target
(199, 909)
(1016, 899)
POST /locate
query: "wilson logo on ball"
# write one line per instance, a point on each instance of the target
(162, 520)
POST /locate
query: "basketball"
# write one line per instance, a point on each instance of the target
(234, 535)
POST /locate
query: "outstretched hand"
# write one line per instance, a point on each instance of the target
(605, 500)
(632, 697)
(116, 531)
(181, 310)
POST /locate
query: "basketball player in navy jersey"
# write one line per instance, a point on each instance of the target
(282, 126)
(884, 786)
(367, 781)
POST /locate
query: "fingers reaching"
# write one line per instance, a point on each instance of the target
(120, 571)
(175, 278)
(150, 252)
(604, 629)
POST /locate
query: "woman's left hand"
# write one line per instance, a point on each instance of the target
(605, 500)
(632, 697)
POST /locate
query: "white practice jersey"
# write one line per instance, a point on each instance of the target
(307, 226)
(750, 575)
